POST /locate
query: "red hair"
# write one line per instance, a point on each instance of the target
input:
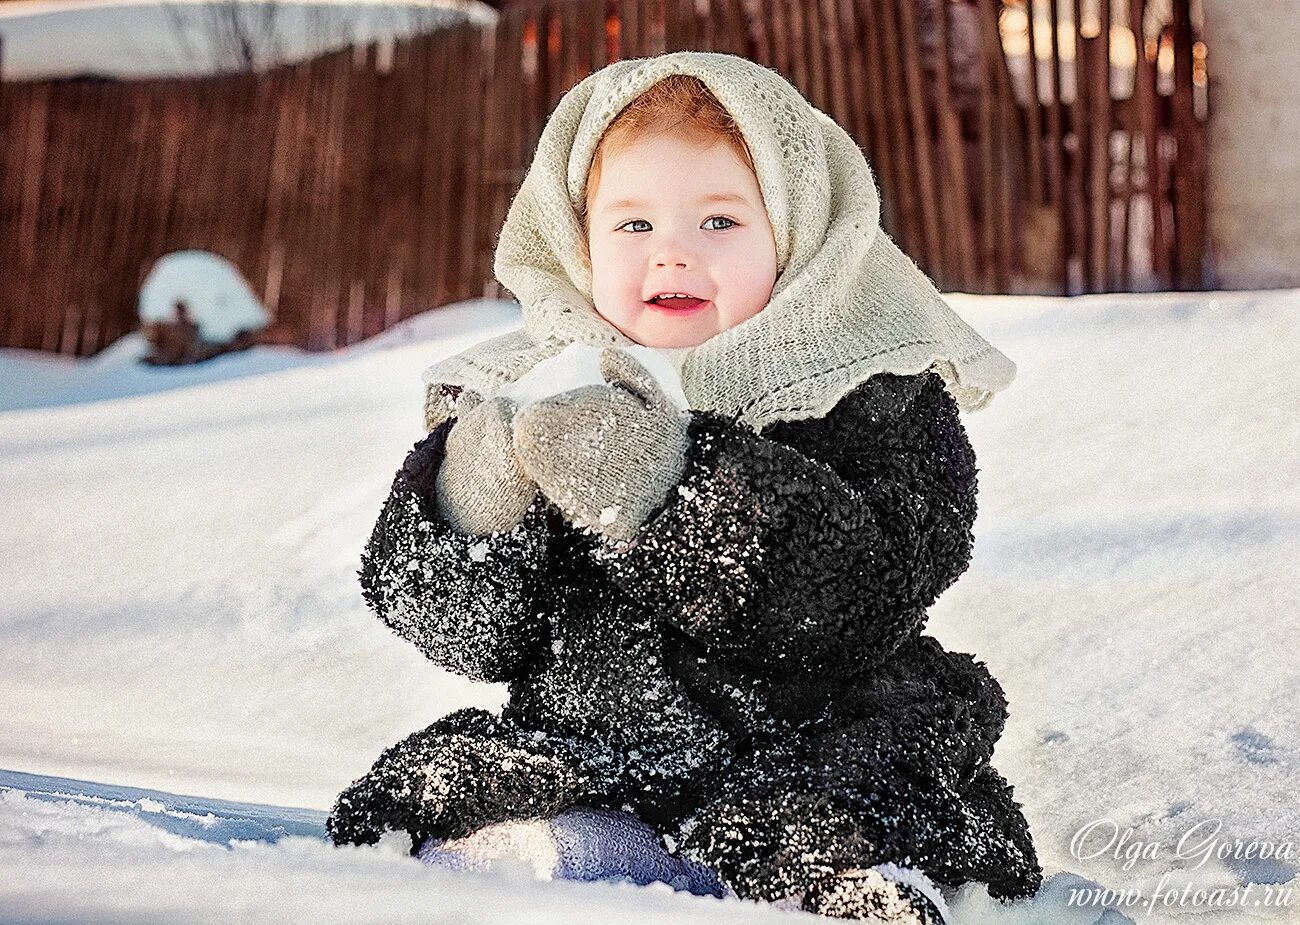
(680, 105)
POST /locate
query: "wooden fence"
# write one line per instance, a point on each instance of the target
(364, 186)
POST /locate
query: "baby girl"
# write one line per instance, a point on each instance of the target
(694, 512)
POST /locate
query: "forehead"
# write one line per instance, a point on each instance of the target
(632, 202)
(668, 169)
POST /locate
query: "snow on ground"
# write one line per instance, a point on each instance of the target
(181, 613)
(64, 861)
(181, 606)
(78, 851)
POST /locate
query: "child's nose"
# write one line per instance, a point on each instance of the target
(674, 255)
(673, 250)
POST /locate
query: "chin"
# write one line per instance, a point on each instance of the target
(651, 330)
(672, 340)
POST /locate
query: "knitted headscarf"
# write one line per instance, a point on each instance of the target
(847, 302)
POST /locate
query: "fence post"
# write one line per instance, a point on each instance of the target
(1189, 190)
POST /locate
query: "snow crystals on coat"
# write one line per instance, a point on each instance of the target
(748, 675)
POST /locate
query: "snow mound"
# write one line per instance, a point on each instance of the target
(213, 292)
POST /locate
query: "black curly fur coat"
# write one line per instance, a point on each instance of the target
(749, 677)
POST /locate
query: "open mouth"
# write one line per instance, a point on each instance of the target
(676, 303)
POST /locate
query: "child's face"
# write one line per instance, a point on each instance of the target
(653, 228)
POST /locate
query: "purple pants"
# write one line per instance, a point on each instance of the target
(582, 843)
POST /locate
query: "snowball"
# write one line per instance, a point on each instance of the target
(609, 514)
(394, 841)
(578, 365)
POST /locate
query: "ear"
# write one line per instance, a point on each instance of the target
(622, 370)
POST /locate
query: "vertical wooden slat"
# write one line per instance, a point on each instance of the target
(112, 290)
(705, 23)
(35, 185)
(475, 77)
(602, 26)
(557, 78)
(304, 292)
(1056, 151)
(15, 129)
(49, 230)
(76, 118)
(658, 39)
(1144, 94)
(1006, 153)
(808, 15)
(876, 137)
(928, 192)
(988, 243)
(358, 114)
(733, 31)
(1099, 153)
(409, 79)
(579, 39)
(502, 152)
(800, 75)
(334, 287)
(428, 271)
(879, 23)
(1123, 259)
(630, 16)
(668, 12)
(288, 204)
(756, 16)
(66, 107)
(534, 89)
(953, 157)
(853, 74)
(773, 13)
(1081, 248)
(1034, 110)
(494, 48)
(1189, 175)
(831, 46)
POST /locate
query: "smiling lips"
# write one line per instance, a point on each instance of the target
(676, 304)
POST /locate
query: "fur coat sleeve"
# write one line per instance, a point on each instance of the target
(466, 602)
(817, 544)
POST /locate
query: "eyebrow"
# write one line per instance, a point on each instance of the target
(710, 198)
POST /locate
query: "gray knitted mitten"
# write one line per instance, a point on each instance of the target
(606, 455)
(481, 487)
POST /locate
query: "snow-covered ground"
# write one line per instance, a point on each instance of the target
(180, 613)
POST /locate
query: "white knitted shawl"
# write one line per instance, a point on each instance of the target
(847, 302)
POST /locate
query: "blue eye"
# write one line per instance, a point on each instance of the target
(715, 218)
